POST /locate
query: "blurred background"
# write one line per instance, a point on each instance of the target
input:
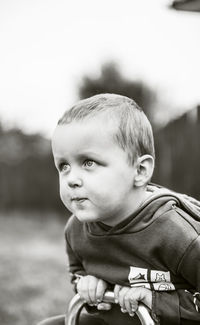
(52, 54)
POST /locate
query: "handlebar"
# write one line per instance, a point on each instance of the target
(77, 303)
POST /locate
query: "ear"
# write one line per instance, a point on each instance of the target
(144, 170)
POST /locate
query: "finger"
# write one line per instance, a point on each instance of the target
(100, 290)
(121, 296)
(104, 306)
(117, 289)
(130, 304)
(92, 290)
(83, 290)
(134, 296)
(127, 303)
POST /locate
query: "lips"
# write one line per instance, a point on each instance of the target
(78, 199)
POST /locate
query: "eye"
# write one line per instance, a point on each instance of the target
(89, 163)
(63, 167)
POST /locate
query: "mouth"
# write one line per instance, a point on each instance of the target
(78, 199)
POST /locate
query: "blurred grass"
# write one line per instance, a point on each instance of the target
(34, 282)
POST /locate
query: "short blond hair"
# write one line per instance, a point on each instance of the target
(133, 133)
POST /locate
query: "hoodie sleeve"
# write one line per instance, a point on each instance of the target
(75, 266)
(182, 306)
(76, 269)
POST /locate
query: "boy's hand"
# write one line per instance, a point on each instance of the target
(92, 289)
(128, 298)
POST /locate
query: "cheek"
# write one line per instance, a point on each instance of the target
(104, 191)
(60, 188)
(61, 195)
(65, 200)
(112, 181)
(63, 192)
(114, 187)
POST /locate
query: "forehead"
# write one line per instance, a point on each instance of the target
(95, 133)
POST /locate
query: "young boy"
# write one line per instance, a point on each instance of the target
(124, 234)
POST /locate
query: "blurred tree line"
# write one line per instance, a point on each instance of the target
(178, 154)
(28, 178)
(112, 81)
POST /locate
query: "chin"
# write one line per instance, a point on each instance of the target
(84, 217)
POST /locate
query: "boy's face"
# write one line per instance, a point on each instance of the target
(96, 181)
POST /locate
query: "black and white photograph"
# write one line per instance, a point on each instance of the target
(99, 162)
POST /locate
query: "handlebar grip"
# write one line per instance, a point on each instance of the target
(77, 303)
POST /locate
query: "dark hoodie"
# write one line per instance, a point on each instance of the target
(158, 247)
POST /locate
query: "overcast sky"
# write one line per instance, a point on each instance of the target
(46, 46)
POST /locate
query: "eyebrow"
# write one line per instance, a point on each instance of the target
(58, 158)
(88, 153)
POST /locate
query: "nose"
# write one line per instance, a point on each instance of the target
(74, 180)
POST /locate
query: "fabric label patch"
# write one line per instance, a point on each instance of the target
(137, 274)
(159, 276)
(163, 286)
(151, 279)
